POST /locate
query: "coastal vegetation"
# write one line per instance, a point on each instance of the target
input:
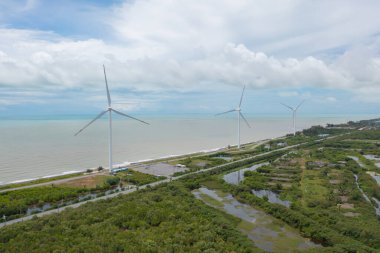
(18, 203)
(137, 178)
(164, 219)
(325, 190)
(38, 181)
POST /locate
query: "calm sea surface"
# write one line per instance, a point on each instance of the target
(36, 148)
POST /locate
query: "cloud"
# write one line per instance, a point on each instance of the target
(186, 46)
(331, 99)
(60, 63)
(288, 94)
(287, 28)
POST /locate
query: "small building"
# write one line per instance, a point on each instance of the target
(114, 171)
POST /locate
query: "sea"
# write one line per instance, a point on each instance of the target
(44, 147)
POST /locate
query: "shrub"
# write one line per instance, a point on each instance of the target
(112, 181)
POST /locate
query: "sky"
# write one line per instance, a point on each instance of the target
(189, 57)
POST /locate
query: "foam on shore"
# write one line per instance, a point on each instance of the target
(169, 156)
(127, 163)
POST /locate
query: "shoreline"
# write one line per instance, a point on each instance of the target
(56, 169)
(72, 172)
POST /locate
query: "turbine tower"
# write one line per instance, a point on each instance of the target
(109, 110)
(239, 114)
(294, 111)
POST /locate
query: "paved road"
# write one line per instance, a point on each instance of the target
(153, 184)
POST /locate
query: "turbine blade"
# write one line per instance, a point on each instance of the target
(92, 121)
(241, 98)
(108, 92)
(225, 112)
(300, 104)
(291, 108)
(125, 115)
(246, 121)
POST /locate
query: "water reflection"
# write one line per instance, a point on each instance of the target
(36, 209)
(375, 176)
(356, 159)
(373, 157)
(377, 208)
(226, 158)
(272, 197)
(237, 176)
(267, 233)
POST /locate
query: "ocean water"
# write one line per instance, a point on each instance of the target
(36, 148)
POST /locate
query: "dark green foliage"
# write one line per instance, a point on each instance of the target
(138, 178)
(307, 225)
(319, 130)
(255, 180)
(112, 181)
(167, 219)
(17, 202)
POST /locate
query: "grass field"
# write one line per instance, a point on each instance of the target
(89, 182)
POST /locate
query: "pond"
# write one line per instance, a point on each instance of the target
(272, 197)
(265, 231)
(237, 176)
(36, 209)
(377, 207)
(360, 189)
(225, 158)
(375, 176)
(356, 159)
(373, 157)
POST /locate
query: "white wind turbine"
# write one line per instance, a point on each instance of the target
(109, 110)
(238, 110)
(294, 111)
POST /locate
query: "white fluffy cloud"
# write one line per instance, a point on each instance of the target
(187, 45)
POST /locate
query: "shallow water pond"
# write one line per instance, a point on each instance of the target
(356, 159)
(373, 157)
(36, 209)
(377, 208)
(226, 158)
(237, 176)
(374, 176)
(265, 231)
(272, 197)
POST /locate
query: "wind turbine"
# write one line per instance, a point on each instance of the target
(109, 110)
(238, 110)
(294, 111)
